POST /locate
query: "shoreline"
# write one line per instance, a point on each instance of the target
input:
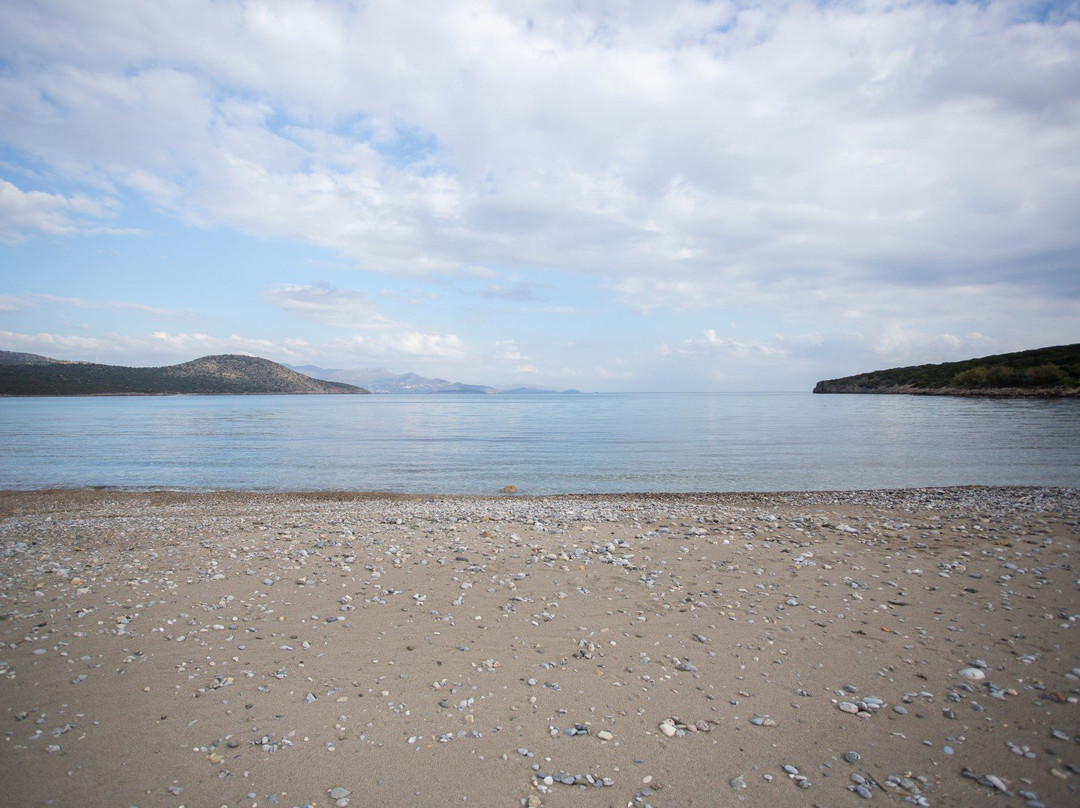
(230, 648)
(793, 496)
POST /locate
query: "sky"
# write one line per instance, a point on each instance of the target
(609, 195)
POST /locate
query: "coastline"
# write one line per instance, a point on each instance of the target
(232, 648)
(829, 388)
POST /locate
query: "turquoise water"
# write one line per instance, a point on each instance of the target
(544, 444)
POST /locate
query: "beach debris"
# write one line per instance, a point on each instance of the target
(605, 597)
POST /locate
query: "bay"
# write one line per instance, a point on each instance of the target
(543, 444)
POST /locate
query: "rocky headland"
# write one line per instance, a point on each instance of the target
(227, 374)
(1044, 372)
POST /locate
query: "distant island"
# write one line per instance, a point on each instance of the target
(381, 380)
(23, 374)
(1049, 372)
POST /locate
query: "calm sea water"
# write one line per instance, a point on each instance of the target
(601, 443)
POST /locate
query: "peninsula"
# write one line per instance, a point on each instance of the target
(24, 374)
(1048, 372)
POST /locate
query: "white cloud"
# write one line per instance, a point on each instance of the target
(62, 345)
(196, 344)
(155, 312)
(711, 342)
(882, 174)
(508, 351)
(613, 375)
(25, 213)
(12, 303)
(161, 346)
(415, 343)
(34, 300)
(846, 142)
(328, 304)
(571, 310)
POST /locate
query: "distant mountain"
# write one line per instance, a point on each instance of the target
(381, 380)
(228, 374)
(1041, 372)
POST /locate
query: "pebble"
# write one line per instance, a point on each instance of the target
(732, 578)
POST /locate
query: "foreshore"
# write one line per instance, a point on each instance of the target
(808, 649)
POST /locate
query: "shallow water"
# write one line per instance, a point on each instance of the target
(543, 444)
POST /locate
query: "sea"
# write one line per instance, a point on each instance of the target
(542, 444)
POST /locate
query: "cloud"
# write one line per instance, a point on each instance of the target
(414, 343)
(712, 344)
(400, 345)
(518, 293)
(156, 312)
(25, 213)
(328, 304)
(571, 310)
(61, 345)
(881, 174)
(751, 142)
(163, 346)
(509, 352)
(12, 303)
(612, 375)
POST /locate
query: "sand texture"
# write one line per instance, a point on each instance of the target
(166, 649)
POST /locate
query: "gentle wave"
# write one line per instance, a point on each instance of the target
(543, 444)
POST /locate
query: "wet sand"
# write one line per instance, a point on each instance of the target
(168, 649)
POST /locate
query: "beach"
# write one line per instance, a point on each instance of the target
(235, 649)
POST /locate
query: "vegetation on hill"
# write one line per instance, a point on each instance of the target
(16, 358)
(229, 374)
(1041, 372)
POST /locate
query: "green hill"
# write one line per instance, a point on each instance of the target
(1040, 372)
(228, 374)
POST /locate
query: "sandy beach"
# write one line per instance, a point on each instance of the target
(819, 649)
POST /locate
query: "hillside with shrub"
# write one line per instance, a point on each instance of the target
(227, 374)
(1041, 372)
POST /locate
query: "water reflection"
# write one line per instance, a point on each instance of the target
(543, 444)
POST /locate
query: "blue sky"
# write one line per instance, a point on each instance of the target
(601, 194)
